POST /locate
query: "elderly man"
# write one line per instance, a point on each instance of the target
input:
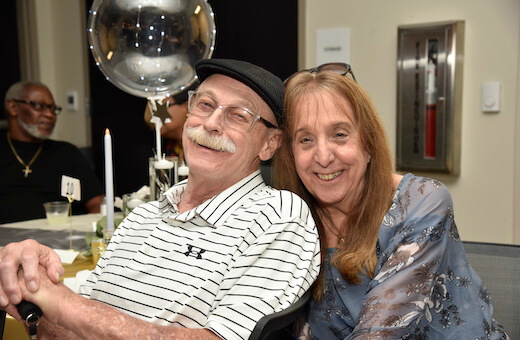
(209, 259)
(31, 165)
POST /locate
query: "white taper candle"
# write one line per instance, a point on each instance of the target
(109, 182)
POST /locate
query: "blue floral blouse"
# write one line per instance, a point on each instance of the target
(423, 287)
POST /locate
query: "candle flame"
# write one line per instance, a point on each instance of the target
(107, 131)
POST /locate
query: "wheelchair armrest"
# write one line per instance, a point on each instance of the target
(269, 325)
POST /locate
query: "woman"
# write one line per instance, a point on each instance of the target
(394, 266)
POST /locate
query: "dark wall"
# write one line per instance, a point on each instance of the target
(263, 32)
(10, 51)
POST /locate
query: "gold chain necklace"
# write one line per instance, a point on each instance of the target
(341, 239)
(27, 166)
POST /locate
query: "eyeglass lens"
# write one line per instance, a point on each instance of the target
(40, 107)
(235, 117)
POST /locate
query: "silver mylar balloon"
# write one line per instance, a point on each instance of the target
(148, 48)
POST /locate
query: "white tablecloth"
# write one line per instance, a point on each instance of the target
(79, 223)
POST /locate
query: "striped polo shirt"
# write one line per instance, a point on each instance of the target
(247, 252)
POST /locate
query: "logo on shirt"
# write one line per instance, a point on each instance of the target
(194, 252)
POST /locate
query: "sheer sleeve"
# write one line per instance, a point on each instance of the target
(423, 285)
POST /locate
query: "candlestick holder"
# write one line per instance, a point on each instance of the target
(107, 235)
(98, 247)
(103, 231)
(163, 174)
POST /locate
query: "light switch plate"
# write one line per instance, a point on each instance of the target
(491, 96)
(72, 100)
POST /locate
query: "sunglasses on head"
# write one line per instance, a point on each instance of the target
(339, 68)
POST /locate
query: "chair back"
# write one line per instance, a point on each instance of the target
(271, 327)
(498, 265)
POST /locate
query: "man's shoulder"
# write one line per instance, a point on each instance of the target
(275, 193)
(146, 211)
(3, 139)
(62, 147)
(286, 202)
(60, 144)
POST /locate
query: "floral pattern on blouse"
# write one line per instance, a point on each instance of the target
(423, 287)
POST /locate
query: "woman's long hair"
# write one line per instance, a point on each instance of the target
(358, 253)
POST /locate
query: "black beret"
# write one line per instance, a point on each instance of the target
(268, 86)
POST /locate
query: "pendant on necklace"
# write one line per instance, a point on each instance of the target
(26, 171)
(341, 240)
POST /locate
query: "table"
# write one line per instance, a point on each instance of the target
(79, 222)
(57, 237)
(54, 237)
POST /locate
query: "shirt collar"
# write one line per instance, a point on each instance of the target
(217, 208)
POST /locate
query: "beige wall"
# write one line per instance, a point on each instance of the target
(516, 169)
(55, 53)
(484, 194)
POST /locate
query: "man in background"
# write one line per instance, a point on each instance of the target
(32, 165)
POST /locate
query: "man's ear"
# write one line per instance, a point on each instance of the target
(11, 108)
(271, 144)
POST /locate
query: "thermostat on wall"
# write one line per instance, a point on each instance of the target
(72, 100)
(491, 96)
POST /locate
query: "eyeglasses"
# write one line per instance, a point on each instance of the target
(237, 118)
(40, 107)
(340, 68)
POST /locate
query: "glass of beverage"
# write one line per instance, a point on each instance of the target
(56, 212)
(98, 248)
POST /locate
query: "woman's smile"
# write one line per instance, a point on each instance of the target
(330, 176)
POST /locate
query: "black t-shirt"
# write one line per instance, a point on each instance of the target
(22, 198)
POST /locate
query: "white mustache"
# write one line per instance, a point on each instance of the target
(214, 142)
